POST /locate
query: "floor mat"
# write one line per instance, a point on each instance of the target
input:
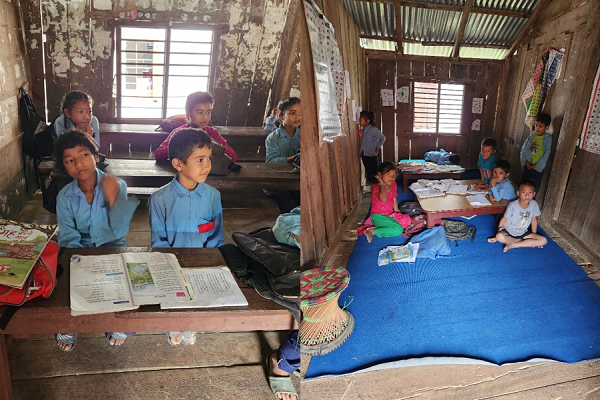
(479, 304)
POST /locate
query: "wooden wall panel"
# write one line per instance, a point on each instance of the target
(79, 50)
(330, 171)
(381, 76)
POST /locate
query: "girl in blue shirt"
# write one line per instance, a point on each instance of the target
(76, 109)
(91, 211)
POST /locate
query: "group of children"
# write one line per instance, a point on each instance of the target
(94, 209)
(517, 228)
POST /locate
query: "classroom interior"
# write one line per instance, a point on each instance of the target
(383, 46)
(51, 48)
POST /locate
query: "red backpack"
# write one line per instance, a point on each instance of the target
(169, 124)
(417, 224)
(41, 280)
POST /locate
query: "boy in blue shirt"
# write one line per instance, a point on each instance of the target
(91, 211)
(442, 157)
(187, 212)
(282, 146)
(500, 187)
(486, 162)
(536, 150)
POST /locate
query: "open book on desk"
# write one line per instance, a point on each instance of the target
(119, 282)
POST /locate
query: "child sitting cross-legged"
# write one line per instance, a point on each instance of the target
(187, 212)
(518, 227)
(385, 220)
(500, 187)
(91, 211)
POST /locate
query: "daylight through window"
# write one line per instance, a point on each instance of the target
(437, 107)
(156, 68)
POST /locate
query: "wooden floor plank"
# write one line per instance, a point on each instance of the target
(93, 355)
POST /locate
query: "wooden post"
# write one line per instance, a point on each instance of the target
(463, 24)
(398, 12)
(532, 20)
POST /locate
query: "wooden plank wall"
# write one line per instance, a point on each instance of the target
(330, 171)
(80, 44)
(481, 79)
(14, 73)
(570, 194)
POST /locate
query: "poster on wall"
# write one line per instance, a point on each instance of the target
(477, 106)
(590, 137)
(329, 73)
(403, 94)
(387, 97)
(476, 125)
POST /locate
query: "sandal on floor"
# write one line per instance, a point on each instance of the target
(280, 384)
(66, 338)
(115, 335)
(188, 338)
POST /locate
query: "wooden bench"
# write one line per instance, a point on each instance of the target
(139, 141)
(145, 176)
(53, 315)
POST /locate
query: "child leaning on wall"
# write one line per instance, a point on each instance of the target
(536, 150)
(91, 211)
(371, 141)
(187, 212)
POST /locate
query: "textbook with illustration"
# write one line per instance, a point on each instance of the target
(119, 282)
(20, 247)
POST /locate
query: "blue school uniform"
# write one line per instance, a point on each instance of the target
(183, 218)
(280, 145)
(62, 124)
(92, 225)
(487, 166)
(504, 190)
(441, 157)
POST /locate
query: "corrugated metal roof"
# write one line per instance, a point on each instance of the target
(441, 26)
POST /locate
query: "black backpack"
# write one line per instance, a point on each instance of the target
(459, 230)
(270, 267)
(38, 138)
(411, 208)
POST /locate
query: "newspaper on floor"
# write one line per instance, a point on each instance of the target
(392, 254)
(478, 200)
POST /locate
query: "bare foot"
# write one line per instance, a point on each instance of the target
(275, 371)
(176, 338)
(115, 342)
(369, 234)
(507, 248)
(64, 346)
(492, 240)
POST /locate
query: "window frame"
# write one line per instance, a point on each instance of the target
(115, 106)
(439, 83)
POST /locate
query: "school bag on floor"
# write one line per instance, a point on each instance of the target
(270, 267)
(459, 230)
(41, 282)
(411, 208)
(417, 224)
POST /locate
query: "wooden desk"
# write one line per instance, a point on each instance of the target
(424, 175)
(139, 141)
(456, 205)
(53, 315)
(145, 176)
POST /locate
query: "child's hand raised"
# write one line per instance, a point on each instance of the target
(110, 187)
(86, 128)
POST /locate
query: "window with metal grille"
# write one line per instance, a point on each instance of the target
(156, 68)
(437, 107)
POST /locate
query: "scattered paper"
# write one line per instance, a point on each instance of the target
(457, 189)
(429, 193)
(392, 254)
(478, 200)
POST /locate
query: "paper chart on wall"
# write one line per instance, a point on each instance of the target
(590, 137)
(329, 73)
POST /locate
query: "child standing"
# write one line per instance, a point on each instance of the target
(371, 141)
(500, 187)
(385, 219)
(76, 110)
(91, 211)
(198, 108)
(518, 227)
(282, 145)
(187, 212)
(487, 159)
(442, 157)
(536, 150)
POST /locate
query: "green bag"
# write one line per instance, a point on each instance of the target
(459, 230)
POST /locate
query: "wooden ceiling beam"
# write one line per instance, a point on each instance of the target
(398, 13)
(525, 31)
(444, 7)
(461, 29)
(430, 43)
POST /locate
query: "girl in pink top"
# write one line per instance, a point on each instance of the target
(385, 220)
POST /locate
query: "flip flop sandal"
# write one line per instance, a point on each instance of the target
(169, 338)
(280, 384)
(188, 338)
(66, 338)
(115, 335)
